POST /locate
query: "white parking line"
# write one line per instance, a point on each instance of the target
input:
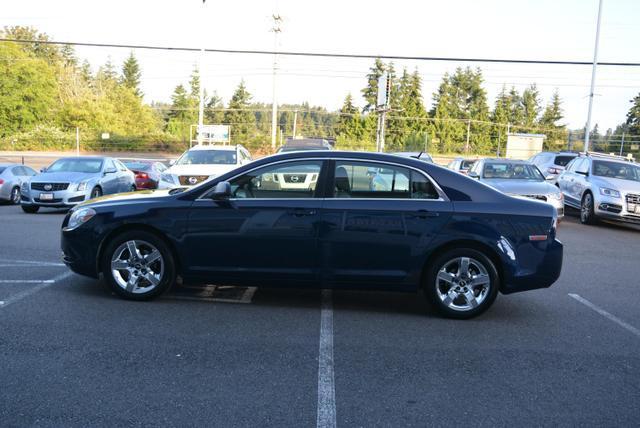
(6, 263)
(326, 385)
(606, 314)
(41, 286)
(26, 281)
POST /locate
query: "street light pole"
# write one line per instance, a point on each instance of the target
(277, 20)
(593, 78)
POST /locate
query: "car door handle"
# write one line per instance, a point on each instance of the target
(423, 214)
(301, 212)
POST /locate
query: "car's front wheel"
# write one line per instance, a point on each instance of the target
(461, 283)
(15, 195)
(96, 192)
(587, 216)
(138, 265)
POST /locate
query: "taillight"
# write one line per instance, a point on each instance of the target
(553, 170)
(1, 181)
(142, 175)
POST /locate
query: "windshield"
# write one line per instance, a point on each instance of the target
(619, 170)
(516, 171)
(76, 165)
(201, 157)
(138, 166)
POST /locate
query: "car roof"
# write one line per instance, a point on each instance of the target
(214, 147)
(85, 157)
(503, 160)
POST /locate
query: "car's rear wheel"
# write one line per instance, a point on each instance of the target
(15, 195)
(96, 192)
(138, 265)
(30, 209)
(587, 216)
(461, 283)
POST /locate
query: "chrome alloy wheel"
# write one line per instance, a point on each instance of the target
(585, 209)
(137, 266)
(463, 283)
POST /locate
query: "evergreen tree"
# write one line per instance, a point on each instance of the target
(555, 132)
(633, 117)
(530, 107)
(350, 123)
(181, 116)
(242, 120)
(214, 113)
(131, 74)
(370, 92)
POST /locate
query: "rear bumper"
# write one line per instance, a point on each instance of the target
(545, 272)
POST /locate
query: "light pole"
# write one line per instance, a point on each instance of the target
(593, 78)
(277, 20)
(201, 75)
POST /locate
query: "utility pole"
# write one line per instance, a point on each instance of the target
(295, 122)
(382, 104)
(201, 76)
(276, 29)
(77, 140)
(593, 78)
(499, 138)
(622, 144)
(466, 146)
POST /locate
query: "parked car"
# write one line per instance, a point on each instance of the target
(11, 178)
(296, 145)
(602, 186)
(460, 241)
(417, 155)
(461, 165)
(203, 162)
(147, 173)
(69, 181)
(552, 163)
(518, 178)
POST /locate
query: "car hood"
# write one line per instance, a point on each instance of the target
(521, 187)
(626, 186)
(63, 177)
(126, 198)
(200, 169)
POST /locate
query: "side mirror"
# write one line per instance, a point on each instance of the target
(43, 169)
(172, 162)
(110, 171)
(585, 173)
(473, 174)
(222, 191)
(550, 177)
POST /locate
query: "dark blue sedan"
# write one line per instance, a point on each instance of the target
(329, 219)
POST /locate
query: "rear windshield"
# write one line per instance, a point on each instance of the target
(563, 160)
(466, 164)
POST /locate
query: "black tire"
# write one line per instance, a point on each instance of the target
(133, 188)
(30, 209)
(167, 278)
(96, 192)
(477, 264)
(15, 196)
(587, 216)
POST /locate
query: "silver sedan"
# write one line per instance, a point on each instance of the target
(70, 181)
(11, 178)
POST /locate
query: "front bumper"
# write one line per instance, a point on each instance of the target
(80, 249)
(615, 209)
(61, 198)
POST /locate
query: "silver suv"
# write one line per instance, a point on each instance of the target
(602, 186)
(552, 163)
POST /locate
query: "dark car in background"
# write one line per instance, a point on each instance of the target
(70, 181)
(147, 173)
(301, 144)
(364, 221)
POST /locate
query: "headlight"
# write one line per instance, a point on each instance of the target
(168, 178)
(25, 187)
(556, 196)
(609, 192)
(82, 186)
(80, 217)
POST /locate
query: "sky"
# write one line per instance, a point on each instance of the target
(516, 29)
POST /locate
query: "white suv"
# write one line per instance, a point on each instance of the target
(203, 162)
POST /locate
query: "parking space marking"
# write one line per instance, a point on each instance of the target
(326, 381)
(606, 314)
(33, 290)
(26, 281)
(7, 263)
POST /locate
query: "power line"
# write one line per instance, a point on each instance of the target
(327, 54)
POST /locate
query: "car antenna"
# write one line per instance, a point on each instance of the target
(419, 155)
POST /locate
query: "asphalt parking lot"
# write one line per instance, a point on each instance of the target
(72, 354)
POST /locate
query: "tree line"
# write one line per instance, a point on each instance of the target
(46, 92)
